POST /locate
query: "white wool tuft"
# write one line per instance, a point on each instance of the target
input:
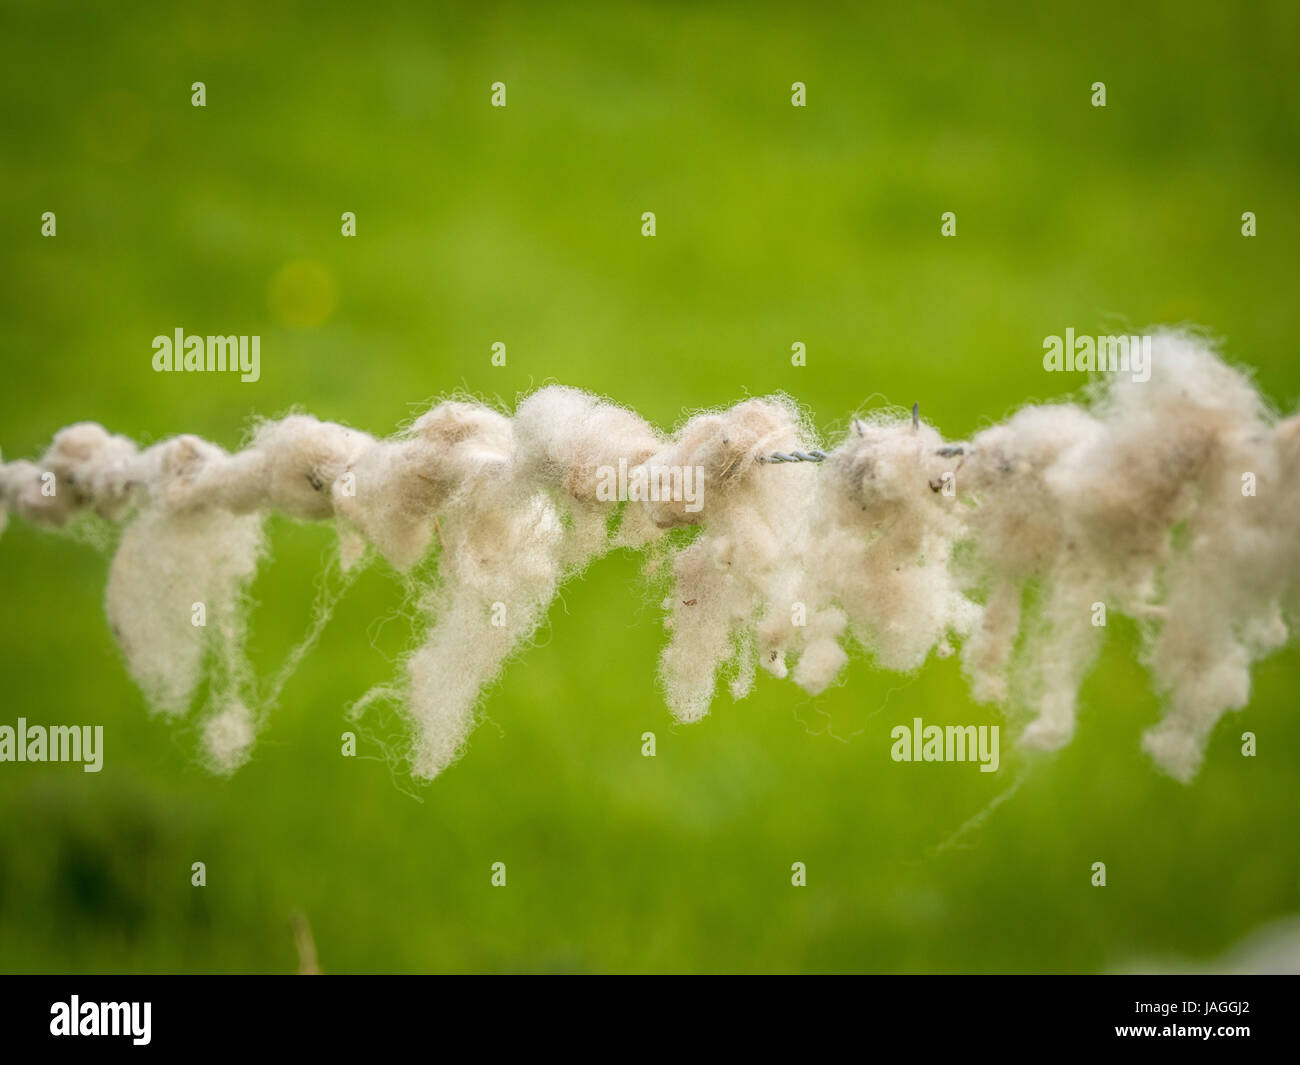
(228, 737)
(392, 489)
(734, 583)
(566, 444)
(1086, 504)
(165, 563)
(877, 566)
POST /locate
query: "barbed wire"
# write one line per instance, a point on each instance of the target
(816, 455)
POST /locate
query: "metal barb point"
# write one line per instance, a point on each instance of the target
(916, 416)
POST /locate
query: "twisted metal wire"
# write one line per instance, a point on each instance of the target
(947, 451)
(794, 456)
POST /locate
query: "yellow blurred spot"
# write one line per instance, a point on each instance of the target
(302, 294)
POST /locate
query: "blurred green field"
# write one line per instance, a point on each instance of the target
(522, 225)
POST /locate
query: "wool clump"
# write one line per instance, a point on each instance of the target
(1170, 500)
(877, 566)
(1133, 505)
(733, 584)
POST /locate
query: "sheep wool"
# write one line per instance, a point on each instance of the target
(1170, 500)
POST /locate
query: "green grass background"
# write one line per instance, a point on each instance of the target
(522, 224)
